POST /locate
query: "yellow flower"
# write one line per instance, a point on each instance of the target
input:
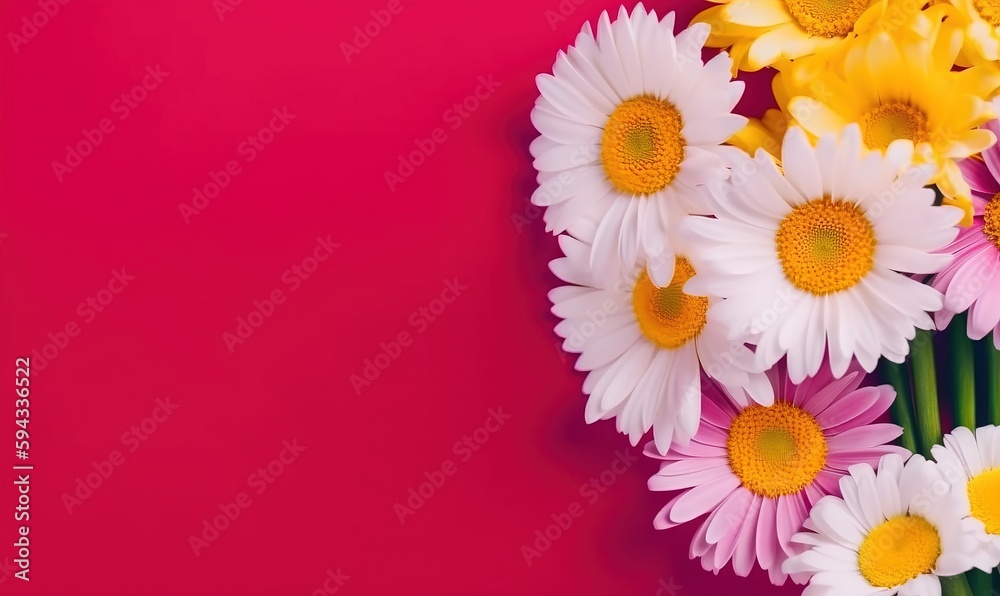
(765, 133)
(763, 33)
(980, 21)
(900, 87)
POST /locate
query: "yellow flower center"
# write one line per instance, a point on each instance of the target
(899, 550)
(989, 10)
(826, 246)
(777, 450)
(893, 121)
(991, 220)
(827, 18)
(667, 316)
(642, 147)
(984, 498)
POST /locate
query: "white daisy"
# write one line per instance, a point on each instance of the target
(645, 346)
(631, 123)
(891, 533)
(812, 260)
(971, 462)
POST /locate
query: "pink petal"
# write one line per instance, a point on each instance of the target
(745, 553)
(992, 159)
(691, 466)
(847, 407)
(700, 546)
(730, 516)
(791, 513)
(828, 481)
(767, 533)
(862, 437)
(683, 479)
(985, 312)
(814, 493)
(702, 499)
(887, 395)
(715, 415)
(727, 528)
(970, 279)
(682, 452)
(843, 460)
(978, 175)
(821, 400)
(662, 519)
(711, 436)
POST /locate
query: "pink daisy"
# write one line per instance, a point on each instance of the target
(972, 280)
(757, 471)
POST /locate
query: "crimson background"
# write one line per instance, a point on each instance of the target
(324, 175)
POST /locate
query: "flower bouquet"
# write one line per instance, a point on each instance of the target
(732, 282)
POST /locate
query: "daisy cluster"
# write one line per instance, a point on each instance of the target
(730, 282)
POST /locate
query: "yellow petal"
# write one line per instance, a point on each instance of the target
(815, 117)
(759, 13)
(773, 45)
(956, 190)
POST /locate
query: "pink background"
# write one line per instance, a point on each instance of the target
(456, 216)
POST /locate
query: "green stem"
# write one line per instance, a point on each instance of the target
(902, 406)
(956, 585)
(993, 380)
(925, 391)
(981, 583)
(963, 373)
